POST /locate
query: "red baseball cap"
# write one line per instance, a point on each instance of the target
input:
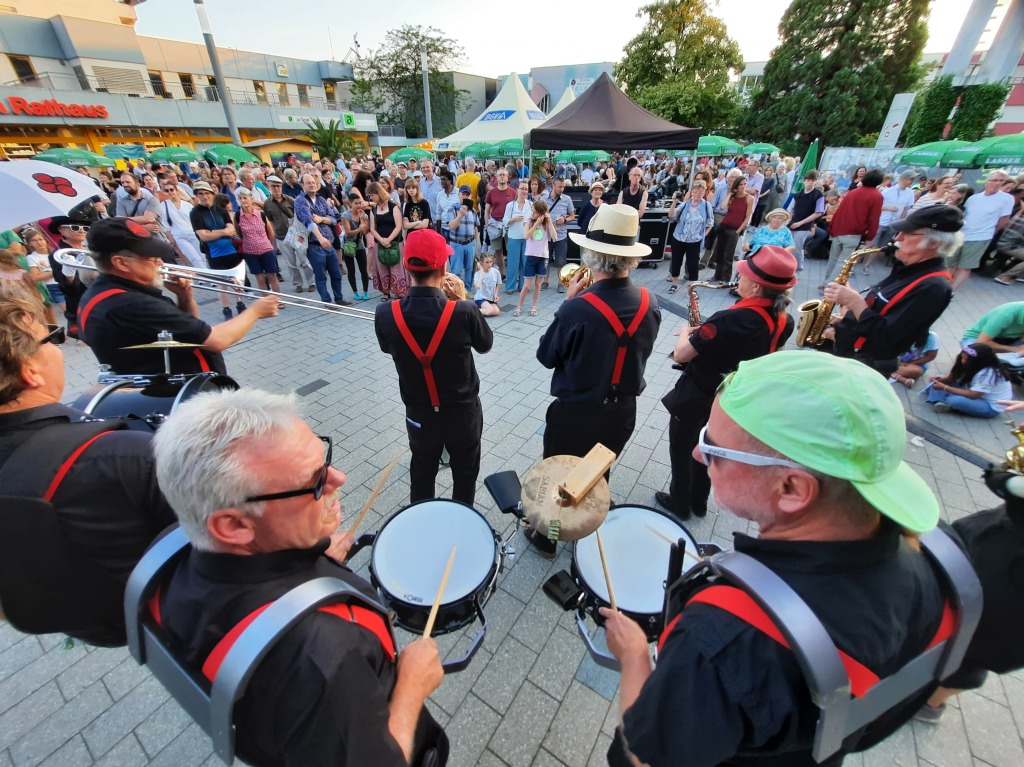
(426, 251)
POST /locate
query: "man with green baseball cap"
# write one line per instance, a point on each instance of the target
(810, 447)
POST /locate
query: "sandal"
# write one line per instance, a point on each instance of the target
(533, 311)
(518, 311)
(384, 298)
(673, 289)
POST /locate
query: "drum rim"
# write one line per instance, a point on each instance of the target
(472, 594)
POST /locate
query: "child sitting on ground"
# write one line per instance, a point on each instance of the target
(486, 281)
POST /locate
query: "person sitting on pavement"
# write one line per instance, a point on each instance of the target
(1002, 329)
(977, 383)
(259, 500)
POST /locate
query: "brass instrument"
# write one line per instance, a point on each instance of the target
(816, 314)
(217, 282)
(567, 272)
(691, 289)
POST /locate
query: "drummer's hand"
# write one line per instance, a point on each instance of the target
(268, 306)
(624, 636)
(179, 286)
(341, 544)
(419, 667)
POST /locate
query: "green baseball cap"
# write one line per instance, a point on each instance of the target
(836, 416)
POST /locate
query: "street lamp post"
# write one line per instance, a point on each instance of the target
(426, 92)
(218, 73)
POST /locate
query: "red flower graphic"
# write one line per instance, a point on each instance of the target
(136, 228)
(54, 184)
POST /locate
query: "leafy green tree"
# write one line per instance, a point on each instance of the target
(836, 70)
(389, 81)
(330, 140)
(930, 112)
(678, 67)
(979, 106)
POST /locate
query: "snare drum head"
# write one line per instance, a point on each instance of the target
(412, 549)
(637, 557)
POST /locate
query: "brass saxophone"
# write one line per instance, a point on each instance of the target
(816, 314)
(691, 289)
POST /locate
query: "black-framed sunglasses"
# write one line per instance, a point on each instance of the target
(316, 489)
(55, 334)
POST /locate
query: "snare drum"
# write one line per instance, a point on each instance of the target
(410, 553)
(149, 398)
(635, 546)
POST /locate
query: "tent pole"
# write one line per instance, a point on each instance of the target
(693, 168)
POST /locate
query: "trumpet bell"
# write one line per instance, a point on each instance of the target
(567, 272)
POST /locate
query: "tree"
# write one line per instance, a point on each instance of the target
(979, 106)
(389, 81)
(837, 68)
(330, 140)
(678, 67)
(930, 113)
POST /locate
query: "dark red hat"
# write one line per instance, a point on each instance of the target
(770, 266)
(426, 251)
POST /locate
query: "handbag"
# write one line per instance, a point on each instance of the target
(297, 237)
(349, 248)
(388, 256)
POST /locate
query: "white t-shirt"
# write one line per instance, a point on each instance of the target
(41, 261)
(992, 386)
(487, 283)
(894, 196)
(587, 176)
(982, 212)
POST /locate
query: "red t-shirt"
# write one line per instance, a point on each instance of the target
(858, 213)
(498, 200)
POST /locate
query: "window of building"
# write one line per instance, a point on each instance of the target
(282, 95)
(303, 95)
(261, 91)
(329, 91)
(22, 66)
(211, 89)
(156, 80)
(187, 85)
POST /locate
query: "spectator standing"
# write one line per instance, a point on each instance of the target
(984, 215)
(280, 209)
(855, 221)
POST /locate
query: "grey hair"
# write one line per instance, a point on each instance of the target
(948, 242)
(197, 450)
(290, 173)
(246, 173)
(908, 175)
(609, 264)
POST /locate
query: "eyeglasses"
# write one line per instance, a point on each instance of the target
(55, 334)
(709, 452)
(316, 489)
(75, 227)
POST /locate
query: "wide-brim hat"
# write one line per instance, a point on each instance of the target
(777, 212)
(613, 231)
(202, 186)
(770, 266)
(58, 221)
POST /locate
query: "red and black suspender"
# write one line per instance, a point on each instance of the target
(83, 313)
(863, 339)
(623, 333)
(426, 358)
(740, 604)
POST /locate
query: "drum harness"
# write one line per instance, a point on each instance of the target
(426, 358)
(623, 334)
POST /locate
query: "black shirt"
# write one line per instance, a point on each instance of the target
(417, 211)
(731, 336)
(454, 370)
(587, 212)
(723, 693)
(580, 344)
(280, 214)
(109, 505)
(630, 199)
(320, 696)
(212, 218)
(908, 321)
(135, 317)
(804, 204)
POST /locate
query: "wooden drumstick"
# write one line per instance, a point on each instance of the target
(607, 577)
(440, 593)
(660, 534)
(376, 490)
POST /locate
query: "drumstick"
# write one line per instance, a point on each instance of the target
(376, 490)
(440, 593)
(607, 577)
(660, 534)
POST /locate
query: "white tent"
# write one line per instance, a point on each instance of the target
(511, 115)
(567, 98)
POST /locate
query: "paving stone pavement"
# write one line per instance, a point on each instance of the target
(531, 696)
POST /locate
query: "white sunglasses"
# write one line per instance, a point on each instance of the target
(709, 451)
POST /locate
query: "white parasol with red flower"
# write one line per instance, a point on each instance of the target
(31, 190)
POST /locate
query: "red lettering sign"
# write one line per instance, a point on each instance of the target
(52, 107)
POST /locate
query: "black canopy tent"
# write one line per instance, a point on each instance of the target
(604, 118)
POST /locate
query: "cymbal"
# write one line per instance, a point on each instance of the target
(163, 345)
(541, 506)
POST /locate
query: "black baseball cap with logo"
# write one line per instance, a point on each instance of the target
(113, 235)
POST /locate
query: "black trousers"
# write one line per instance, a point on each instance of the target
(690, 409)
(350, 265)
(456, 427)
(725, 251)
(573, 428)
(692, 251)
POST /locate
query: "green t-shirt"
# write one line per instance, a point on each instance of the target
(8, 238)
(1004, 323)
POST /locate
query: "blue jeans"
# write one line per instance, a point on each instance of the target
(515, 263)
(325, 262)
(978, 408)
(461, 262)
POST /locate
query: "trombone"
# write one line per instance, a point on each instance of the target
(217, 282)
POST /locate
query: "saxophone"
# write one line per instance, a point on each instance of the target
(691, 289)
(816, 314)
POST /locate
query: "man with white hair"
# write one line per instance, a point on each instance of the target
(256, 493)
(248, 179)
(984, 215)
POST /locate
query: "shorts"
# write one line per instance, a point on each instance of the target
(265, 263)
(536, 266)
(56, 294)
(969, 255)
(481, 301)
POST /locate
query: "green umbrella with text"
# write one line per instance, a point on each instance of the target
(174, 154)
(74, 158)
(410, 153)
(221, 153)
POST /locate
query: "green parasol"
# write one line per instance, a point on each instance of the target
(1004, 150)
(74, 158)
(174, 154)
(510, 147)
(474, 150)
(927, 154)
(410, 153)
(761, 148)
(124, 151)
(590, 155)
(221, 153)
(966, 156)
(712, 146)
(810, 162)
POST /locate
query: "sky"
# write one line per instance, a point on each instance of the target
(508, 37)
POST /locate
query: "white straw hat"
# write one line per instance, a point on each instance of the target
(613, 230)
